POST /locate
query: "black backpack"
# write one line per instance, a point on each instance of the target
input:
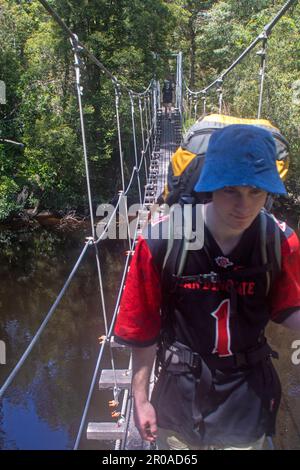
(186, 163)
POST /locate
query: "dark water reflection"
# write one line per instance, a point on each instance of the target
(43, 406)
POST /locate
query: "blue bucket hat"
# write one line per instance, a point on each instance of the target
(240, 155)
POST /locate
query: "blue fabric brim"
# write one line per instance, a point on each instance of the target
(207, 183)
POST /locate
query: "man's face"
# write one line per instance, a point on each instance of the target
(237, 206)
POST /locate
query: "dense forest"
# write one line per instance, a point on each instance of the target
(135, 40)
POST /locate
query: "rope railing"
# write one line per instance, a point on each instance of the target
(108, 336)
(28, 350)
(135, 144)
(43, 325)
(89, 242)
(78, 47)
(57, 301)
(89, 54)
(79, 89)
(178, 100)
(262, 37)
(100, 355)
(117, 105)
(136, 171)
(137, 168)
(151, 122)
(148, 144)
(143, 135)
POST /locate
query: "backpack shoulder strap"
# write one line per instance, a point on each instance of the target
(177, 248)
(270, 245)
(170, 238)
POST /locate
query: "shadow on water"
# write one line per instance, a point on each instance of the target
(43, 406)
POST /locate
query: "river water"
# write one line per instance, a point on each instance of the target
(43, 406)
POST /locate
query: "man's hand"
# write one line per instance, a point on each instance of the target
(144, 413)
(145, 420)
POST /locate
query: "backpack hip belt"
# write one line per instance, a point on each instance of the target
(178, 357)
(241, 359)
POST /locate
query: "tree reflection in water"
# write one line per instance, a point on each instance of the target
(43, 406)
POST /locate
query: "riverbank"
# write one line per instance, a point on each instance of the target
(286, 209)
(69, 221)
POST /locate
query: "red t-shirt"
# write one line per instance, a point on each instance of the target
(205, 308)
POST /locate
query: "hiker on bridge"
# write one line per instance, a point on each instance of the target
(216, 387)
(167, 96)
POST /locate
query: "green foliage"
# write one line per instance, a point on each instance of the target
(36, 63)
(223, 31)
(8, 203)
(135, 39)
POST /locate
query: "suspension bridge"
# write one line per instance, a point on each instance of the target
(160, 136)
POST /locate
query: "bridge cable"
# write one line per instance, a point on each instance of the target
(220, 94)
(262, 53)
(79, 88)
(134, 145)
(117, 105)
(45, 321)
(150, 117)
(116, 309)
(267, 30)
(90, 55)
(204, 100)
(147, 125)
(77, 48)
(143, 136)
